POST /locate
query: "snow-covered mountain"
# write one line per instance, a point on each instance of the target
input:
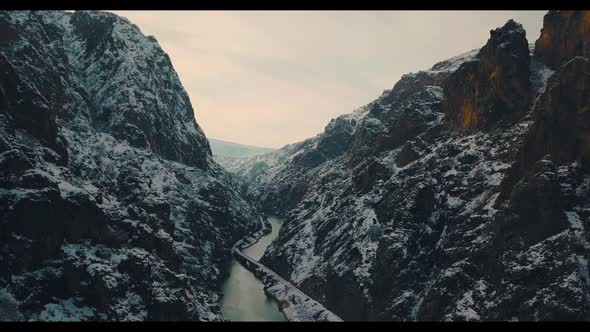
(460, 194)
(112, 207)
(230, 155)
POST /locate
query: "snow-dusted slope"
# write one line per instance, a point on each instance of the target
(111, 206)
(280, 172)
(438, 200)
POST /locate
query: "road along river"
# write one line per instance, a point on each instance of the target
(244, 298)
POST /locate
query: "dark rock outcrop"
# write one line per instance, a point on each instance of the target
(536, 206)
(494, 86)
(561, 126)
(565, 35)
(562, 119)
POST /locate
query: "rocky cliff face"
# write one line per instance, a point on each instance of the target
(493, 86)
(112, 208)
(460, 194)
(565, 35)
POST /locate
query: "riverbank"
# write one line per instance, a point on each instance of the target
(295, 305)
(244, 298)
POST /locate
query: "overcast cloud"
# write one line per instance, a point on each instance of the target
(270, 78)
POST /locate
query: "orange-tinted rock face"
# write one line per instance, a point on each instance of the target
(492, 87)
(468, 115)
(565, 34)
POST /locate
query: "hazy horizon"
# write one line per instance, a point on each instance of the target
(247, 145)
(270, 78)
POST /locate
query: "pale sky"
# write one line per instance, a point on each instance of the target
(271, 78)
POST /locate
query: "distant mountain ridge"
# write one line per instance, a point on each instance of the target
(228, 154)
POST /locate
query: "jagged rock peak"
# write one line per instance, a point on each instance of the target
(137, 115)
(510, 36)
(507, 31)
(565, 34)
(493, 86)
(125, 83)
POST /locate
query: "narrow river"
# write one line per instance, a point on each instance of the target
(243, 295)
